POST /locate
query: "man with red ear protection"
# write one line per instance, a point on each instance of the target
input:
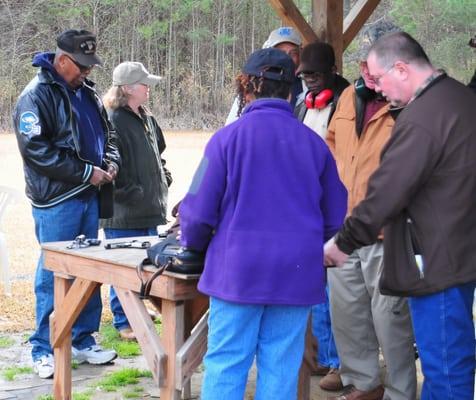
(318, 71)
(315, 108)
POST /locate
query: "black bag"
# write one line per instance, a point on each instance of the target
(171, 256)
(177, 258)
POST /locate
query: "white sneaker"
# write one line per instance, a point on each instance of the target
(93, 355)
(45, 366)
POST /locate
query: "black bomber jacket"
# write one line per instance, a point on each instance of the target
(49, 144)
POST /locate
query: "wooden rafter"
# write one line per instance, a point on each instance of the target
(328, 21)
(356, 18)
(291, 16)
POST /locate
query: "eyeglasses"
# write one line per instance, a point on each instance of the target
(376, 79)
(81, 68)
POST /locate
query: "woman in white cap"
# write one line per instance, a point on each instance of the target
(141, 188)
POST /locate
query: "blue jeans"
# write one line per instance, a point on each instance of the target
(239, 332)
(322, 330)
(444, 332)
(119, 317)
(64, 221)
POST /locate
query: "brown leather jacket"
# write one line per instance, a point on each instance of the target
(423, 194)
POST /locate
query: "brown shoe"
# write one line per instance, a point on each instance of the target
(127, 334)
(352, 393)
(331, 381)
(320, 370)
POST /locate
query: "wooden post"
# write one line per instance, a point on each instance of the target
(327, 21)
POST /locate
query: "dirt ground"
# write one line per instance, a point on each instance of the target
(17, 310)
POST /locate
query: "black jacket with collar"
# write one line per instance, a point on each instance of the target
(141, 187)
(339, 85)
(49, 142)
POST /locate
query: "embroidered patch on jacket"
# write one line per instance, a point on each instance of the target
(29, 124)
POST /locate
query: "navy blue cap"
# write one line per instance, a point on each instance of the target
(271, 64)
(80, 45)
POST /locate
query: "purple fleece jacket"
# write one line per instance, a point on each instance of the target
(264, 199)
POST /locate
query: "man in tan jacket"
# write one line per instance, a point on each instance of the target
(364, 320)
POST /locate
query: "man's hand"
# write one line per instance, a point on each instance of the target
(100, 177)
(112, 171)
(332, 255)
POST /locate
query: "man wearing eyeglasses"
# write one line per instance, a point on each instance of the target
(363, 320)
(69, 151)
(423, 196)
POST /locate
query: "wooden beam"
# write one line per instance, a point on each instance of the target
(68, 309)
(191, 353)
(144, 329)
(356, 18)
(327, 21)
(291, 16)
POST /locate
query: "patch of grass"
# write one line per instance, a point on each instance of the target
(135, 392)
(83, 395)
(76, 396)
(74, 364)
(10, 373)
(110, 339)
(121, 378)
(5, 342)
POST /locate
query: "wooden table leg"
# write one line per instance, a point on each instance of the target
(62, 353)
(172, 339)
(70, 299)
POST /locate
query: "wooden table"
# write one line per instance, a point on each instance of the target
(173, 356)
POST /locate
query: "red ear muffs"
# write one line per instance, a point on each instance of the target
(321, 100)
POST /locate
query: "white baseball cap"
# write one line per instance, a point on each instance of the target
(282, 35)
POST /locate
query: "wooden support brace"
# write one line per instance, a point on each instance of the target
(145, 332)
(67, 311)
(356, 18)
(290, 15)
(191, 353)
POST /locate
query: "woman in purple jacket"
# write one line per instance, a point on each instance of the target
(264, 199)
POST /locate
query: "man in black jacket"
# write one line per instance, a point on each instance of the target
(423, 195)
(315, 108)
(68, 150)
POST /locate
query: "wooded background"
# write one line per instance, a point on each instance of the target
(199, 45)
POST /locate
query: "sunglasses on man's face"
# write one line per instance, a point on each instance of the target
(82, 68)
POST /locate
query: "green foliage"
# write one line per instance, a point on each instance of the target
(10, 373)
(123, 377)
(110, 339)
(76, 396)
(443, 27)
(5, 342)
(135, 392)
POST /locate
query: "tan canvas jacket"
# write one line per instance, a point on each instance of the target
(357, 157)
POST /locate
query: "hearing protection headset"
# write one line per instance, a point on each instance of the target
(363, 91)
(320, 100)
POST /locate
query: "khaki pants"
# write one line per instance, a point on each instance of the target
(363, 320)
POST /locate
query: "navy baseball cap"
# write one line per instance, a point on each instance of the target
(271, 64)
(80, 45)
